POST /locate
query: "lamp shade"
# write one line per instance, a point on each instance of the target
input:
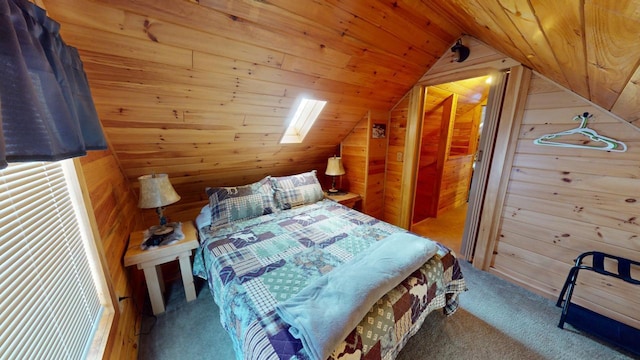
(156, 191)
(334, 166)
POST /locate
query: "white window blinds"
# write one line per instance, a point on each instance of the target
(49, 304)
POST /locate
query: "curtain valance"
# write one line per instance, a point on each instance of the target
(47, 111)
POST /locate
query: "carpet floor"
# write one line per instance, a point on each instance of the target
(496, 320)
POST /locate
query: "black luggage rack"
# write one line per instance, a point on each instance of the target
(624, 334)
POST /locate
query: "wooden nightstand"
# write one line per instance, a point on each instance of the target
(150, 260)
(349, 199)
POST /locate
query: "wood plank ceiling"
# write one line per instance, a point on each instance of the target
(587, 46)
(202, 90)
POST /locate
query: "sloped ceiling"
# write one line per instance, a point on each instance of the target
(587, 46)
(202, 90)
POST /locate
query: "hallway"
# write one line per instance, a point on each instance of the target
(447, 228)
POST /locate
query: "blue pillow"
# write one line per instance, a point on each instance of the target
(296, 190)
(229, 204)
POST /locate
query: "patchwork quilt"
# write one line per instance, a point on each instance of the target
(253, 264)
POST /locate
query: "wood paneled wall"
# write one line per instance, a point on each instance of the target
(454, 183)
(447, 147)
(458, 167)
(482, 61)
(377, 165)
(561, 202)
(203, 90)
(464, 140)
(439, 108)
(353, 150)
(397, 132)
(364, 159)
(577, 44)
(117, 215)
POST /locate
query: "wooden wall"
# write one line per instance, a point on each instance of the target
(117, 215)
(364, 159)
(377, 165)
(458, 167)
(464, 140)
(203, 90)
(353, 150)
(447, 146)
(397, 132)
(439, 108)
(561, 202)
(454, 183)
(482, 61)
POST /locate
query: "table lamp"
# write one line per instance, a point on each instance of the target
(334, 168)
(157, 192)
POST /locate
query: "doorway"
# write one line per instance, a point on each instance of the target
(457, 134)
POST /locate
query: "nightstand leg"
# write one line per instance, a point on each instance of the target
(161, 279)
(153, 285)
(187, 277)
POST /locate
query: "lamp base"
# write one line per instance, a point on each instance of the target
(332, 191)
(159, 235)
(160, 230)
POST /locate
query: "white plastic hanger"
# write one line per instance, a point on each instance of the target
(609, 143)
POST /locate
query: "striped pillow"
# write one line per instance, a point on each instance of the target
(296, 190)
(229, 204)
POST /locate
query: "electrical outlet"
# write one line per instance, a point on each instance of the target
(399, 156)
(122, 303)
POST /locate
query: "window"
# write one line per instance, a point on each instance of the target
(304, 117)
(52, 303)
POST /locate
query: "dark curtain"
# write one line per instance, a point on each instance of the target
(46, 107)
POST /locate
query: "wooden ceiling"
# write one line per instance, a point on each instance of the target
(202, 90)
(587, 46)
(471, 92)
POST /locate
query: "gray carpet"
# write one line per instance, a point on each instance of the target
(496, 320)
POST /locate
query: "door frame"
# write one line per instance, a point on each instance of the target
(501, 163)
(482, 165)
(487, 211)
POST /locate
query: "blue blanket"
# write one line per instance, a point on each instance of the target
(328, 309)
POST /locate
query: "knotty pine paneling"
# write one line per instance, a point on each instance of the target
(576, 44)
(428, 181)
(396, 131)
(353, 151)
(377, 155)
(482, 61)
(203, 90)
(561, 202)
(445, 164)
(117, 215)
(456, 179)
(171, 74)
(364, 159)
(192, 86)
(464, 140)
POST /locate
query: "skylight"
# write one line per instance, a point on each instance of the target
(302, 121)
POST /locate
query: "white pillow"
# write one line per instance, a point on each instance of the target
(204, 218)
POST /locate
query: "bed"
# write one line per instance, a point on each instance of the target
(262, 244)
